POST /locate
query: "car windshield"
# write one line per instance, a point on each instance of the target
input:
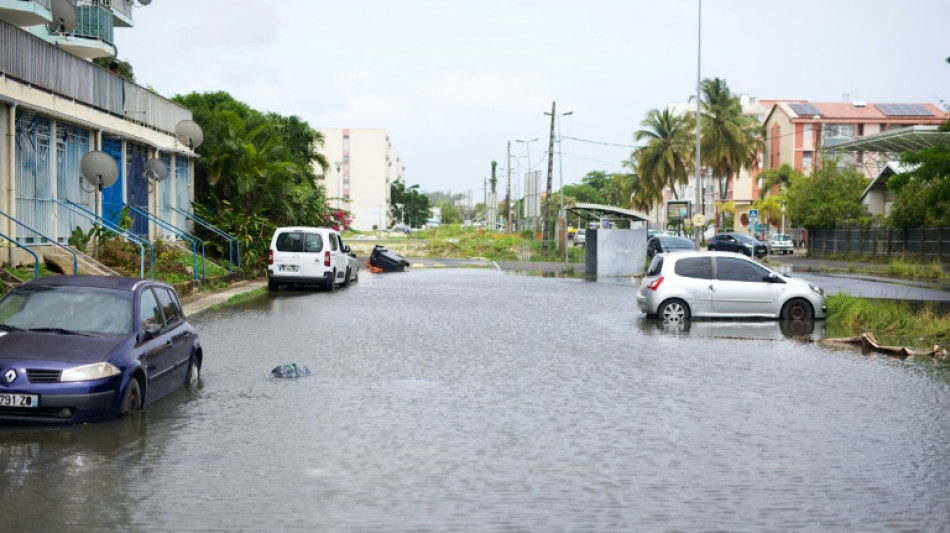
(68, 310)
(780, 237)
(746, 238)
(676, 242)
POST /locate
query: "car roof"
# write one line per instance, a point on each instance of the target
(304, 228)
(99, 282)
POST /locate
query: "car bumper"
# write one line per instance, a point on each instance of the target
(299, 280)
(63, 408)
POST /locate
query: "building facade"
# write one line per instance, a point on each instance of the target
(362, 166)
(56, 107)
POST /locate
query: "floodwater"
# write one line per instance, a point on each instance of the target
(474, 400)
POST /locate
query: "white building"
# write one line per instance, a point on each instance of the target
(363, 165)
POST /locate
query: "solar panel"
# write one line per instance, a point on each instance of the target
(904, 110)
(804, 110)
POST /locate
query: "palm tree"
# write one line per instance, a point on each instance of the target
(781, 177)
(664, 160)
(729, 138)
(642, 194)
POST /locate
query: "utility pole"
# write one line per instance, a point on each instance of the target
(508, 194)
(699, 180)
(546, 234)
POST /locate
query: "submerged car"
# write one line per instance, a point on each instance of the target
(781, 242)
(737, 242)
(87, 348)
(681, 285)
(668, 243)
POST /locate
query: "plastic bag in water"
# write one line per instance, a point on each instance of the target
(290, 370)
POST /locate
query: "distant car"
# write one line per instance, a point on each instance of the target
(352, 266)
(580, 238)
(737, 242)
(87, 348)
(307, 256)
(668, 243)
(781, 242)
(681, 285)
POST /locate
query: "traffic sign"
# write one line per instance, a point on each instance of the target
(754, 214)
(699, 219)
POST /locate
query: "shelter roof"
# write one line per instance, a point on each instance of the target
(605, 212)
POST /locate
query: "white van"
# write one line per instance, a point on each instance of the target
(307, 256)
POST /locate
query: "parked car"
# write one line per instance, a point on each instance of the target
(580, 238)
(307, 256)
(781, 242)
(738, 242)
(668, 243)
(87, 348)
(681, 285)
(352, 266)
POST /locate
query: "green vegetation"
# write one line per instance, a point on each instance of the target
(456, 241)
(922, 325)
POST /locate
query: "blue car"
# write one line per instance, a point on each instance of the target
(87, 348)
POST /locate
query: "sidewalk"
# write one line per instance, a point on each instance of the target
(199, 301)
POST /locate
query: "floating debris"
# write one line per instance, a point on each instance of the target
(868, 342)
(290, 370)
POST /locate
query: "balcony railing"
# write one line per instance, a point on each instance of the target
(32, 61)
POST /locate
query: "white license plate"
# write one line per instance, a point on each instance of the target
(289, 268)
(19, 400)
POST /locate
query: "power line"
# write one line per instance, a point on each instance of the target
(599, 142)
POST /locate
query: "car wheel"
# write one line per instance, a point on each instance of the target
(132, 399)
(346, 278)
(745, 252)
(194, 372)
(792, 252)
(797, 309)
(711, 248)
(331, 286)
(673, 310)
(271, 285)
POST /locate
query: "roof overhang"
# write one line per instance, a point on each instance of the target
(901, 140)
(605, 212)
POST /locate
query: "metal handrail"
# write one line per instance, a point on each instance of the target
(36, 258)
(183, 234)
(105, 224)
(231, 239)
(50, 240)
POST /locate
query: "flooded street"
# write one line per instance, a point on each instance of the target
(474, 400)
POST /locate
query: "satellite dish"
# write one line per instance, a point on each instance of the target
(99, 169)
(64, 16)
(189, 133)
(145, 2)
(155, 170)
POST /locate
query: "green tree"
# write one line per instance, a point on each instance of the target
(664, 161)
(782, 177)
(494, 177)
(409, 206)
(729, 139)
(827, 198)
(922, 194)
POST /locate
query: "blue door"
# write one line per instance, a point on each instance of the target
(112, 198)
(138, 188)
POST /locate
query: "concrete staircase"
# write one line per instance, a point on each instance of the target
(60, 259)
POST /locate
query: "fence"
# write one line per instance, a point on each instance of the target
(930, 243)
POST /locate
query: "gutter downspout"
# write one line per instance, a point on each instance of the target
(11, 176)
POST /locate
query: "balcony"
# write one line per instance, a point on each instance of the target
(26, 12)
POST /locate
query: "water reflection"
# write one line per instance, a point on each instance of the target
(809, 330)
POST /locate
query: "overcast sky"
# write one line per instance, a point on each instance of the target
(453, 81)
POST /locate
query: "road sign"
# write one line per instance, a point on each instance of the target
(699, 219)
(753, 214)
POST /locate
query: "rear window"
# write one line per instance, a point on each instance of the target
(694, 267)
(298, 241)
(656, 266)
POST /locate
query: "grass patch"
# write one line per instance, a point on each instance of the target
(890, 318)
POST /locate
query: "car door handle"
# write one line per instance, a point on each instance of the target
(712, 289)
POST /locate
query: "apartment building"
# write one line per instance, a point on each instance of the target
(363, 165)
(797, 130)
(56, 107)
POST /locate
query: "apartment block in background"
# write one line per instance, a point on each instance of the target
(362, 166)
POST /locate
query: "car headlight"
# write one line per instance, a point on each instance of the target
(90, 372)
(817, 289)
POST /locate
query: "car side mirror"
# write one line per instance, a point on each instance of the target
(346, 248)
(152, 330)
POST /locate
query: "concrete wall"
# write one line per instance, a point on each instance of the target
(615, 252)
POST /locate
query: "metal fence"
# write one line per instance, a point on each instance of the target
(932, 243)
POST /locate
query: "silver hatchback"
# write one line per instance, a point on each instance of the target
(680, 285)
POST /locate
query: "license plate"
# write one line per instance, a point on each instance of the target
(289, 268)
(19, 400)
